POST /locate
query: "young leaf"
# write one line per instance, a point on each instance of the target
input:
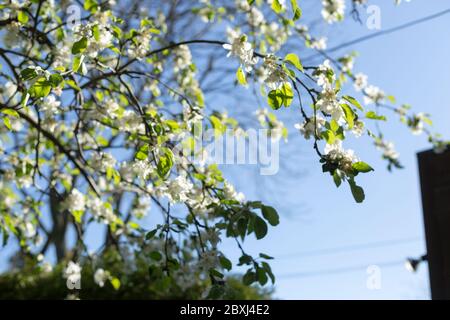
(79, 46)
(349, 115)
(41, 88)
(276, 6)
(22, 17)
(240, 75)
(374, 116)
(165, 163)
(362, 167)
(293, 59)
(353, 101)
(296, 9)
(274, 100)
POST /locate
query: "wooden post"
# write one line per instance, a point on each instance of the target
(434, 172)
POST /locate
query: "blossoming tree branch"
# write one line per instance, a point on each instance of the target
(96, 94)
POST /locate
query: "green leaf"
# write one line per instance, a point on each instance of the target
(265, 256)
(240, 76)
(73, 85)
(276, 6)
(354, 102)
(77, 215)
(217, 124)
(296, 9)
(357, 191)
(249, 277)
(165, 163)
(80, 46)
(293, 59)
(271, 215)
(155, 255)
(142, 153)
(55, 80)
(41, 88)
(115, 282)
(225, 263)
(25, 98)
(274, 100)
(216, 292)
(279, 97)
(262, 276)
(151, 234)
(10, 112)
(96, 32)
(7, 122)
(374, 116)
(337, 179)
(329, 136)
(260, 228)
(22, 17)
(362, 167)
(77, 61)
(28, 74)
(90, 5)
(268, 269)
(349, 115)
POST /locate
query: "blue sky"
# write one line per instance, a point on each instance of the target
(413, 65)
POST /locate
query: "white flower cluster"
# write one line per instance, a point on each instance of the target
(327, 100)
(182, 58)
(96, 41)
(131, 122)
(101, 161)
(73, 272)
(308, 127)
(319, 44)
(142, 206)
(360, 82)
(277, 130)
(272, 73)
(333, 10)
(75, 201)
(417, 123)
(102, 211)
(275, 34)
(240, 48)
(255, 17)
(373, 94)
(140, 45)
(50, 106)
(343, 158)
(101, 276)
(387, 148)
(230, 193)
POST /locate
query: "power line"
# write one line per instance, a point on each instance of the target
(316, 273)
(348, 248)
(384, 32)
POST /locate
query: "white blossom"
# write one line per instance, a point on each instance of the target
(73, 272)
(387, 148)
(75, 201)
(307, 128)
(101, 276)
(360, 82)
(240, 48)
(333, 10)
(373, 95)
